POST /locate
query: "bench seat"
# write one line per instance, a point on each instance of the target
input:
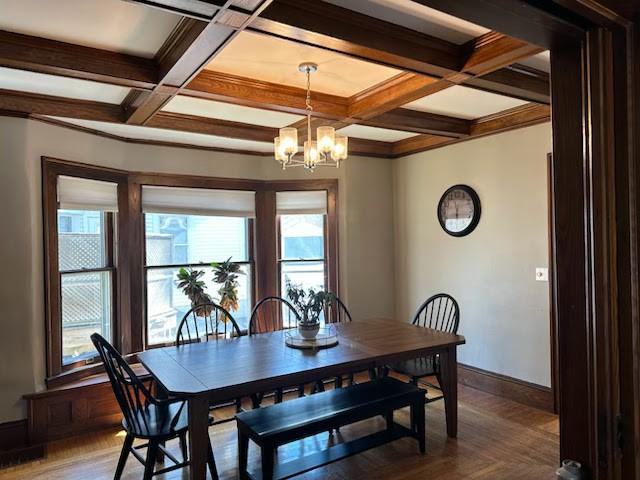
(275, 425)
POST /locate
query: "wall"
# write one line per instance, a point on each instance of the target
(365, 216)
(504, 311)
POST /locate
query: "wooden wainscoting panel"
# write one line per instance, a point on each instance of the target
(15, 446)
(514, 389)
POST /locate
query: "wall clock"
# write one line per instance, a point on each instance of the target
(459, 210)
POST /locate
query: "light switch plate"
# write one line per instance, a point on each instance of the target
(542, 274)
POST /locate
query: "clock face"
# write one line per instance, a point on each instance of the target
(459, 210)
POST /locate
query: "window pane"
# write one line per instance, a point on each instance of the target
(302, 236)
(81, 241)
(166, 304)
(86, 308)
(305, 274)
(185, 239)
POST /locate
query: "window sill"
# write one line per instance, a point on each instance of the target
(85, 374)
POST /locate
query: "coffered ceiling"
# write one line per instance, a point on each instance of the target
(395, 76)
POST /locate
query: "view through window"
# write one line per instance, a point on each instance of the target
(86, 273)
(302, 252)
(175, 241)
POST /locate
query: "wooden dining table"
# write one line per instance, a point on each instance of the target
(216, 371)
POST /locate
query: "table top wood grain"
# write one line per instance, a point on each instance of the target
(250, 364)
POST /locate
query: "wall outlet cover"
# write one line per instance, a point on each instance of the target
(542, 274)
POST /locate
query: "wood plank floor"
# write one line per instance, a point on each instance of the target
(498, 439)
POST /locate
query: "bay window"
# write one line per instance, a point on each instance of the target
(116, 240)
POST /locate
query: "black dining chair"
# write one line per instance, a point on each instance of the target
(209, 322)
(272, 314)
(334, 311)
(439, 312)
(146, 417)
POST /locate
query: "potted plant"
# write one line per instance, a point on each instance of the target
(189, 281)
(226, 273)
(309, 304)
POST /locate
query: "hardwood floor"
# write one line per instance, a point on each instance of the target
(498, 439)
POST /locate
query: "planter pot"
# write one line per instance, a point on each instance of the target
(308, 331)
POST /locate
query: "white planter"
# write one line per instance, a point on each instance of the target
(308, 332)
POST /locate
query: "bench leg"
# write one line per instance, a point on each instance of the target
(417, 414)
(389, 419)
(243, 454)
(267, 454)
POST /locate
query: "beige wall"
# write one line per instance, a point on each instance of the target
(366, 246)
(504, 311)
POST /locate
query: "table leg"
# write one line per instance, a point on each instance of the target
(198, 437)
(449, 367)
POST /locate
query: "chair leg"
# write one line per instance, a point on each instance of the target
(124, 454)
(152, 454)
(300, 391)
(338, 382)
(256, 400)
(372, 374)
(183, 446)
(211, 461)
(279, 395)
(352, 380)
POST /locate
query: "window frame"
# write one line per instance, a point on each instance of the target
(109, 266)
(129, 281)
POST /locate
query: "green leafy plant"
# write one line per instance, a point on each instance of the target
(226, 273)
(189, 281)
(309, 303)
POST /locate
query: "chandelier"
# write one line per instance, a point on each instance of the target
(328, 148)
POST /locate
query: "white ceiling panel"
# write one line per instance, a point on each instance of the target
(275, 60)
(228, 111)
(417, 17)
(375, 133)
(541, 61)
(162, 135)
(45, 84)
(464, 102)
(107, 24)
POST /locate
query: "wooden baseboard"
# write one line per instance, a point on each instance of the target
(15, 446)
(519, 391)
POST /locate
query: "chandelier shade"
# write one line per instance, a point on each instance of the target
(327, 149)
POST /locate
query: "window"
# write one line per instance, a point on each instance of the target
(115, 273)
(85, 265)
(301, 220)
(193, 240)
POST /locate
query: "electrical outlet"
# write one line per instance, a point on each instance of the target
(542, 274)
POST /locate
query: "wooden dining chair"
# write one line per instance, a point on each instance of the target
(209, 322)
(334, 311)
(439, 312)
(146, 417)
(272, 314)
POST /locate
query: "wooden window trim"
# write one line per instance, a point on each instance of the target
(129, 324)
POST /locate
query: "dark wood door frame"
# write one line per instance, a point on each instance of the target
(595, 73)
(553, 325)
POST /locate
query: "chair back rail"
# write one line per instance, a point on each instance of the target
(204, 322)
(440, 312)
(335, 311)
(272, 314)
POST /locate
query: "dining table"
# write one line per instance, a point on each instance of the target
(210, 372)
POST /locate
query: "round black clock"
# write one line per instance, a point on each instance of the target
(459, 210)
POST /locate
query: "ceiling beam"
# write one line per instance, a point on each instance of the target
(191, 46)
(260, 94)
(41, 55)
(516, 81)
(344, 31)
(519, 117)
(420, 122)
(26, 104)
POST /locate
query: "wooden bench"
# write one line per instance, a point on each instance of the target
(275, 425)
